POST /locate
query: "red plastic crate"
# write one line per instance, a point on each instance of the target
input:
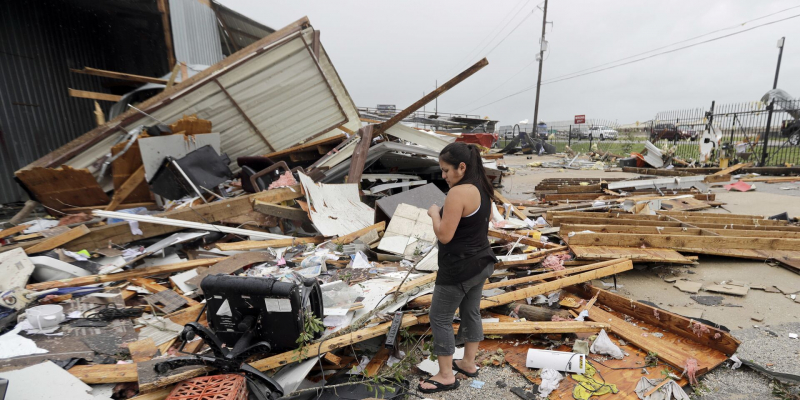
(214, 387)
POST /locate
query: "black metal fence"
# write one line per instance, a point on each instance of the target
(738, 135)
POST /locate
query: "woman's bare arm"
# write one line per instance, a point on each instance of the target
(445, 226)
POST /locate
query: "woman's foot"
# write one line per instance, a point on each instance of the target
(438, 378)
(470, 369)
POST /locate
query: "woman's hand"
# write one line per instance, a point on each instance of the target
(433, 210)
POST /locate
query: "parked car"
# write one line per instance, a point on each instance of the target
(671, 132)
(791, 131)
(602, 133)
(577, 133)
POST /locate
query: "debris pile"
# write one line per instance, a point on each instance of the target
(259, 236)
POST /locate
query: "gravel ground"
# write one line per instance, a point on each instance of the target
(762, 346)
(490, 391)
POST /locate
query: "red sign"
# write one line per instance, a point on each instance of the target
(580, 119)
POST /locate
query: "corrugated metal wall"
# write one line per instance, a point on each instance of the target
(40, 40)
(36, 113)
(194, 33)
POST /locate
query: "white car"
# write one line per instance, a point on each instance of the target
(602, 133)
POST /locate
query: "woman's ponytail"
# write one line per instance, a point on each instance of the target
(458, 152)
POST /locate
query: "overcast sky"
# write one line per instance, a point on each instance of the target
(392, 52)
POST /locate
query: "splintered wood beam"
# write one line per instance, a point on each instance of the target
(96, 374)
(163, 9)
(58, 240)
(142, 350)
(514, 210)
(522, 239)
(118, 75)
(369, 132)
(12, 231)
(614, 267)
(423, 280)
(680, 241)
(121, 276)
(277, 210)
(532, 327)
(350, 237)
(264, 244)
(549, 275)
(315, 349)
(122, 193)
(83, 94)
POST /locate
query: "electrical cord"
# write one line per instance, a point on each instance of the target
(110, 312)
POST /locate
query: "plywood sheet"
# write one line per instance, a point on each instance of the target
(124, 166)
(634, 253)
(65, 187)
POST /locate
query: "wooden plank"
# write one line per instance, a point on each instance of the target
(127, 162)
(548, 275)
(597, 188)
(614, 267)
(678, 241)
(635, 254)
(58, 188)
(717, 178)
(315, 349)
(714, 338)
(569, 220)
(377, 362)
(118, 75)
(14, 230)
(154, 287)
(142, 350)
(105, 373)
(514, 210)
(94, 95)
(163, 9)
(533, 258)
(772, 179)
(406, 286)
(159, 394)
(277, 210)
(146, 204)
(350, 237)
(671, 355)
(510, 237)
(654, 230)
(121, 276)
(58, 240)
(122, 193)
(264, 244)
(510, 328)
(120, 233)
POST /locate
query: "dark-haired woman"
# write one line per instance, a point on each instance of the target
(465, 262)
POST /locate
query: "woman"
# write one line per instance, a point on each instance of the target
(465, 262)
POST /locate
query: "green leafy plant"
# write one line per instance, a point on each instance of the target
(311, 326)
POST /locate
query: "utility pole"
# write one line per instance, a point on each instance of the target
(542, 47)
(771, 106)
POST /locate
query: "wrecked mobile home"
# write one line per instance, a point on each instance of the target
(245, 233)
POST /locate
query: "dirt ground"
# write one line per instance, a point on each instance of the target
(774, 311)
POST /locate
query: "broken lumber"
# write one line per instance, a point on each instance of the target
(122, 193)
(680, 241)
(530, 313)
(84, 94)
(315, 349)
(510, 328)
(121, 276)
(142, 350)
(263, 244)
(118, 75)
(105, 373)
(58, 240)
(13, 231)
(406, 286)
(277, 210)
(514, 210)
(350, 237)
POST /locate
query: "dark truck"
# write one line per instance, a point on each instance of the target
(669, 132)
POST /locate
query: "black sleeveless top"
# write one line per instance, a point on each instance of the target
(468, 253)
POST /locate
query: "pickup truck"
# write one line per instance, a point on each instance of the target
(602, 133)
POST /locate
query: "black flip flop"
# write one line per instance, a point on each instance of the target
(440, 387)
(471, 375)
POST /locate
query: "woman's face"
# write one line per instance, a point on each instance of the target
(452, 175)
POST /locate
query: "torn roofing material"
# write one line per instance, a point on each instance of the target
(270, 96)
(375, 152)
(336, 209)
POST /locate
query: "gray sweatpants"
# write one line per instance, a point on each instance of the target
(466, 297)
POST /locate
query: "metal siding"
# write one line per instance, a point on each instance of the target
(39, 42)
(281, 90)
(194, 33)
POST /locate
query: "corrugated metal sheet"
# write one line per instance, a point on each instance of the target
(194, 32)
(282, 90)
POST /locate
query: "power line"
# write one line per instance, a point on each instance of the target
(512, 31)
(501, 25)
(672, 44)
(637, 60)
(673, 50)
(501, 85)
